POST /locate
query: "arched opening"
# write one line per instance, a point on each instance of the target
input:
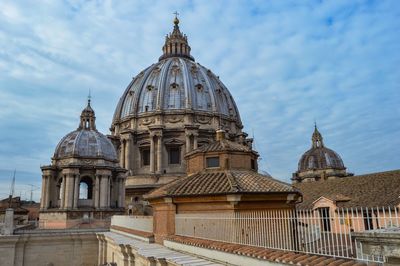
(85, 188)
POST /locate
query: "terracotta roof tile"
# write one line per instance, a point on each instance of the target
(222, 145)
(221, 182)
(370, 190)
(282, 256)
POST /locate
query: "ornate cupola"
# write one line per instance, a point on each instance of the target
(84, 182)
(319, 162)
(176, 43)
(88, 118)
(316, 139)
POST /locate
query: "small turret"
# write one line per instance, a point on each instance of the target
(88, 118)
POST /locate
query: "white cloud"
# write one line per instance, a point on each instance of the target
(286, 64)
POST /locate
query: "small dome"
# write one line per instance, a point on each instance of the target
(86, 141)
(319, 156)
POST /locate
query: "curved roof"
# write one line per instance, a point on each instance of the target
(86, 141)
(86, 144)
(319, 156)
(176, 83)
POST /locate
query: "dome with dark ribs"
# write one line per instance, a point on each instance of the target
(86, 141)
(319, 156)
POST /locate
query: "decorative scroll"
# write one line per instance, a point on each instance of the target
(203, 119)
(174, 119)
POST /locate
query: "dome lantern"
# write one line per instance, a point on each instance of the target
(88, 118)
(317, 140)
(176, 43)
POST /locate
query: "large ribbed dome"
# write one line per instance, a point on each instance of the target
(86, 141)
(176, 84)
(319, 156)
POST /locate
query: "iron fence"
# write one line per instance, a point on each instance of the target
(321, 231)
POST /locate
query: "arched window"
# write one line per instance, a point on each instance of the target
(203, 98)
(311, 162)
(148, 101)
(86, 188)
(174, 155)
(175, 96)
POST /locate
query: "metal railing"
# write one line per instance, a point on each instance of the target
(321, 231)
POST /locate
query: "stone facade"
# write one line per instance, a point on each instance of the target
(45, 249)
(84, 184)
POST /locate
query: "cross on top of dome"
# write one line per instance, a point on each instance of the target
(176, 43)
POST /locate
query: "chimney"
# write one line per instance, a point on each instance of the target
(220, 134)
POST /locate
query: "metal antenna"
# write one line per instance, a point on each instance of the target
(31, 191)
(12, 187)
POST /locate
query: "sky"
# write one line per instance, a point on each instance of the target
(286, 63)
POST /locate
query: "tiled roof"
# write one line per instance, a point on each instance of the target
(371, 190)
(274, 255)
(222, 145)
(221, 182)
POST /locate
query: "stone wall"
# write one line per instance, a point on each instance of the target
(49, 249)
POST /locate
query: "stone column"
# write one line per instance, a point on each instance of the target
(69, 191)
(151, 153)
(108, 191)
(76, 191)
(159, 154)
(43, 194)
(187, 143)
(128, 144)
(195, 145)
(103, 192)
(62, 192)
(123, 192)
(122, 154)
(97, 192)
(47, 192)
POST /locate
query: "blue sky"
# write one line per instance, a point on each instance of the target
(286, 63)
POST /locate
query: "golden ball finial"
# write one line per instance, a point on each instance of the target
(176, 20)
